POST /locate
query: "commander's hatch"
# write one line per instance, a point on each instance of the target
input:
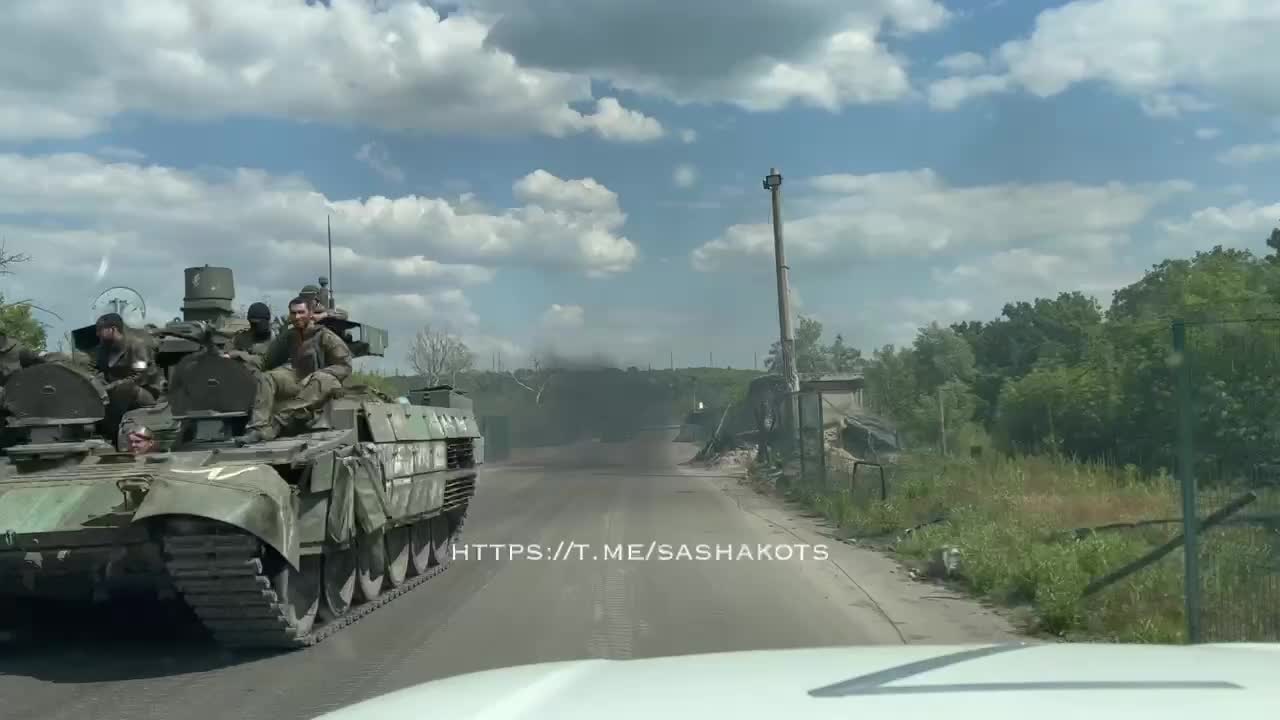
(85, 339)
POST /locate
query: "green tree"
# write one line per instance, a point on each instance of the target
(17, 322)
(891, 386)
(16, 319)
(811, 356)
(940, 356)
(843, 359)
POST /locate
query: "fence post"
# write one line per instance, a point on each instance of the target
(798, 403)
(822, 443)
(1186, 478)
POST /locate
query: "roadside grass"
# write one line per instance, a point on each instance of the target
(1011, 521)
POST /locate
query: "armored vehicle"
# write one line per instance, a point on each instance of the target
(272, 545)
(209, 297)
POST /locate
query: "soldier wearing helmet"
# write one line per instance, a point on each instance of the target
(321, 301)
(315, 296)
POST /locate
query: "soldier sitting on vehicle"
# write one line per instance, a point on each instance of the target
(126, 364)
(321, 301)
(302, 368)
(254, 340)
(319, 309)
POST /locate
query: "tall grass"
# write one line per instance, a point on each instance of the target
(1007, 517)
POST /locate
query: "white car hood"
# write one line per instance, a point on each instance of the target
(893, 682)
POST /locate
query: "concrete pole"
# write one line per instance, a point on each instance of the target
(773, 183)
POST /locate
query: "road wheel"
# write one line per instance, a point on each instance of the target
(298, 593)
(398, 555)
(420, 546)
(339, 583)
(371, 564)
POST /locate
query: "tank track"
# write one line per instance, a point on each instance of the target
(220, 576)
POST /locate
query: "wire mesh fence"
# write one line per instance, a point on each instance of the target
(1227, 398)
(1171, 534)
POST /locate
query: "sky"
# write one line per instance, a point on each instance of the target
(584, 177)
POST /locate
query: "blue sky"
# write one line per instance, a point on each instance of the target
(584, 177)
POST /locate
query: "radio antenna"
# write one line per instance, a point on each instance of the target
(328, 228)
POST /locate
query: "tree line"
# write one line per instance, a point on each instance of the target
(1063, 375)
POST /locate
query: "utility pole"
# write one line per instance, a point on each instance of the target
(787, 346)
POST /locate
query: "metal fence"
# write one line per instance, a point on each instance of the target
(1202, 401)
(813, 460)
(823, 471)
(1227, 405)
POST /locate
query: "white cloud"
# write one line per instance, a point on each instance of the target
(685, 175)
(950, 93)
(910, 314)
(688, 136)
(1207, 133)
(69, 68)
(916, 214)
(379, 160)
(558, 318)
(760, 55)
(1241, 155)
(1024, 274)
(1174, 56)
(965, 62)
(611, 121)
(398, 260)
(1244, 224)
(944, 311)
(447, 309)
(564, 224)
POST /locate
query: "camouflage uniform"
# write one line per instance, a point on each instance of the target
(299, 372)
(132, 377)
(247, 342)
(252, 341)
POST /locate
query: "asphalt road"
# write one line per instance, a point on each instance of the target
(489, 611)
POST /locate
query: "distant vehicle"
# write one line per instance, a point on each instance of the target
(276, 544)
(914, 682)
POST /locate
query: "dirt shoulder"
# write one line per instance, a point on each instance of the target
(922, 611)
